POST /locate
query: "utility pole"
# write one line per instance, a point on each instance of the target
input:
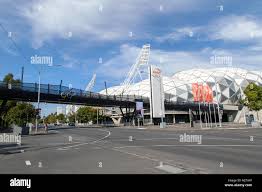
(218, 108)
(200, 118)
(151, 96)
(204, 96)
(162, 110)
(60, 86)
(38, 101)
(97, 116)
(210, 116)
(190, 117)
(22, 75)
(106, 87)
(214, 108)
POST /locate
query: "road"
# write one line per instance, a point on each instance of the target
(136, 151)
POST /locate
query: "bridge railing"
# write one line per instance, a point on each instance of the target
(64, 91)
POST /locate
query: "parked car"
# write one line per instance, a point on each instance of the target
(71, 124)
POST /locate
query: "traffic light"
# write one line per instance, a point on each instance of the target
(38, 112)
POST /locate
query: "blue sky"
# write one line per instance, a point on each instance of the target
(183, 34)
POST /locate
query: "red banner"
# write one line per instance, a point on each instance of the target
(195, 92)
(202, 93)
(208, 94)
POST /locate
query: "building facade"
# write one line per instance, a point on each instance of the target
(223, 86)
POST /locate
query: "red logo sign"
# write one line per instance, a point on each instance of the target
(202, 93)
(156, 72)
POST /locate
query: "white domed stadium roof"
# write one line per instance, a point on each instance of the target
(227, 84)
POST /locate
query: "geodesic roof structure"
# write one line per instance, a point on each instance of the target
(227, 84)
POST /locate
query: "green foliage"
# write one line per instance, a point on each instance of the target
(86, 114)
(20, 114)
(253, 98)
(51, 118)
(8, 106)
(61, 118)
(83, 115)
(71, 117)
(9, 78)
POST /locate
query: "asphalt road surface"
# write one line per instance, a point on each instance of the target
(135, 151)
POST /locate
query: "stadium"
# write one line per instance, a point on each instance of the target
(227, 87)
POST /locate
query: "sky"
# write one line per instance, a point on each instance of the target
(77, 34)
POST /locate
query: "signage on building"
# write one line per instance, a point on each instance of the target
(139, 108)
(157, 92)
(202, 93)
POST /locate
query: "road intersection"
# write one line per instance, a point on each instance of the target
(110, 150)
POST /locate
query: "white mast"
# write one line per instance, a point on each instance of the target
(141, 60)
(91, 84)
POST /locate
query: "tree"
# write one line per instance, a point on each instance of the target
(9, 78)
(86, 114)
(71, 117)
(61, 118)
(21, 114)
(51, 118)
(253, 98)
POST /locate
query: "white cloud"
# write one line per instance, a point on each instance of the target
(170, 62)
(9, 49)
(227, 28)
(236, 28)
(179, 34)
(174, 61)
(118, 66)
(52, 19)
(69, 61)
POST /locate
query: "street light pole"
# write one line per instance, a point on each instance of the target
(38, 96)
(218, 107)
(38, 100)
(162, 111)
(200, 117)
(97, 116)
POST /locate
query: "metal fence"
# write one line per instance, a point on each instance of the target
(64, 91)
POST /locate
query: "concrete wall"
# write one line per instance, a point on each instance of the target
(240, 117)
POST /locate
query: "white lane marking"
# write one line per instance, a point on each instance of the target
(64, 148)
(170, 169)
(53, 131)
(61, 149)
(51, 144)
(134, 154)
(177, 138)
(197, 145)
(27, 162)
(141, 128)
(70, 139)
(228, 128)
(40, 165)
(156, 139)
(145, 139)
